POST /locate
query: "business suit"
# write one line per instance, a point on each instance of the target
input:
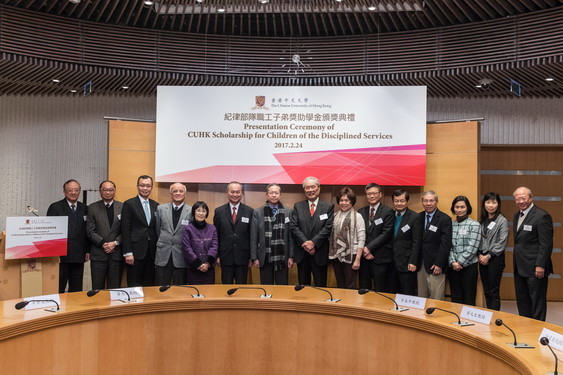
(104, 266)
(71, 266)
(316, 228)
(533, 244)
(436, 244)
(406, 250)
(379, 241)
(258, 248)
(493, 245)
(169, 260)
(234, 242)
(139, 238)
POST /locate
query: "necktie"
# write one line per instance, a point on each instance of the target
(427, 221)
(312, 211)
(397, 223)
(176, 208)
(234, 214)
(73, 208)
(109, 212)
(520, 220)
(147, 211)
(372, 214)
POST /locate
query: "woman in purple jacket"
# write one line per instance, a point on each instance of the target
(200, 247)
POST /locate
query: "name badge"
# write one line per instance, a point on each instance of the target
(244, 220)
(84, 217)
(287, 220)
(121, 294)
(462, 232)
(491, 225)
(555, 339)
(323, 217)
(185, 222)
(405, 228)
(410, 301)
(476, 315)
(528, 228)
(378, 221)
(433, 228)
(119, 217)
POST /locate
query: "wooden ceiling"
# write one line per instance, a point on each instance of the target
(116, 43)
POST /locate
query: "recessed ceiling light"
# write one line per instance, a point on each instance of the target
(478, 86)
(549, 79)
(148, 3)
(372, 8)
(339, 1)
(73, 91)
(200, 1)
(75, 1)
(221, 10)
(264, 1)
(125, 87)
(56, 80)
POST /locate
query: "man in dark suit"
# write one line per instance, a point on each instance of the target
(311, 224)
(271, 242)
(71, 267)
(171, 219)
(533, 244)
(233, 222)
(138, 231)
(377, 258)
(406, 242)
(103, 227)
(436, 240)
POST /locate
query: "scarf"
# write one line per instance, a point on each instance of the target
(199, 224)
(343, 237)
(274, 227)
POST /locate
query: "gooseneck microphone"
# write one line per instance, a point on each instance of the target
(331, 299)
(22, 304)
(545, 341)
(516, 345)
(396, 308)
(164, 288)
(32, 210)
(232, 291)
(430, 310)
(93, 292)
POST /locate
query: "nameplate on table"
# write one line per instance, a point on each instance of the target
(410, 301)
(555, 339)
(476, 315)
(44, 303)
(121, 294)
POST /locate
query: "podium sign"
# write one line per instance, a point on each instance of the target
(36, 237)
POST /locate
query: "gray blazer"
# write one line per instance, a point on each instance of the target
(494, 242)
(99, 231)
(258, 239)
(169, 241)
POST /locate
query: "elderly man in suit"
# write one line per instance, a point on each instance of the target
(233, 222)
(138, 231)
(311, 225)
(71, 266)
(377, 258)
(271, 243)
(171, 219)
(103, 226)
(533, 244)
(436, 243)
(406, 242)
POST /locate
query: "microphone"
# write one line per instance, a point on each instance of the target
(430, 310)
(545, 341)
(164, 288)
(93, 292)
(331, 299)
(396, 308)
(32, 210)
(22, 304)
(499, 323)
(232, 291)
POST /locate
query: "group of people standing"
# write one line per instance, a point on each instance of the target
(388, 249)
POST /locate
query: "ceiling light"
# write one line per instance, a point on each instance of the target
(148, 3)
(372, 8)
(125, 87)
(200, 1)
(73, 91)
(221, 10)
(549, 79)
(56, 80)
(339, 1)
(264, 1)
(75, 1)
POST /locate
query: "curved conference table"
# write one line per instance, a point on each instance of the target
(291, 333)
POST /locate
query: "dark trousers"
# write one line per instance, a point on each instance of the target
(103, 271)
(196, 277)
(234, 274)
(406, 283)
(491, 275)
(308, 266)
(169, 275)
(71, 273)
(345, 276)
(463, 284)
(269, 276)
(141, 273)
(380, 273)
(531, 294)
